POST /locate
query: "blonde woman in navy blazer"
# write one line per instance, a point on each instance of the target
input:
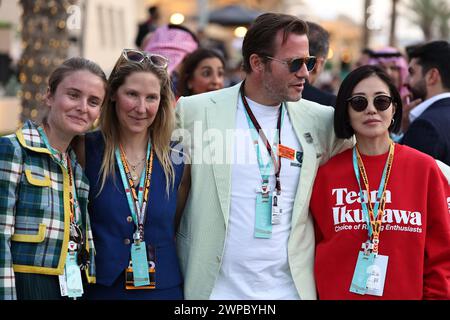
(138, 111)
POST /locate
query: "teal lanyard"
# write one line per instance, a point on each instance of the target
(137, 206)
(263, 168)
(379, 193)
(58, 157)
(256, 132)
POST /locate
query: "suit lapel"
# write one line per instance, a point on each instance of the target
(301, 122)
(220, 118)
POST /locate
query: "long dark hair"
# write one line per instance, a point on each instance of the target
(189, 65)
(342, 126)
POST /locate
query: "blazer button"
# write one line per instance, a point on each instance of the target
(127, 241)
(129, 219)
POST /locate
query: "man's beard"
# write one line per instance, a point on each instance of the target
(419, 91)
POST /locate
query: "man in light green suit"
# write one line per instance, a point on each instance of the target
(245, 231)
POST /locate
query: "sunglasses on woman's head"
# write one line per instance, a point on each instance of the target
(296, 64)
(137, 56)
(360, 103)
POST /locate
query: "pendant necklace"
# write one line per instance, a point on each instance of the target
(134, 174)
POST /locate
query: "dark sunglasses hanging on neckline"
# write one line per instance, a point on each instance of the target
(360, 103)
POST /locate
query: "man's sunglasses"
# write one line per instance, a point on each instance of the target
(360, 103)
(139, 56)
(296, 64)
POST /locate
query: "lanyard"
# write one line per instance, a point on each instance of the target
(136, 202)
(374, 214)
(72, 193)
(56, 155)
(256, 127)
(65, 163)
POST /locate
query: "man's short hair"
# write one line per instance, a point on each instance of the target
(319, 40)
(434, 54)
(260, 38)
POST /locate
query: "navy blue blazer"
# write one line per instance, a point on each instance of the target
(111, 226)
(312, 93)
(430, 132)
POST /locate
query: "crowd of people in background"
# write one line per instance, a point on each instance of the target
(126, 212)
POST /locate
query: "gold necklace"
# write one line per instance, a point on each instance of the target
(134, 174)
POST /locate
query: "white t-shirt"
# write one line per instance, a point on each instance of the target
(254, 268)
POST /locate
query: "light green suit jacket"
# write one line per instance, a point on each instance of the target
(204, 120)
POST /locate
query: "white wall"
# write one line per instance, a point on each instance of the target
(111, 25)
(10, 11)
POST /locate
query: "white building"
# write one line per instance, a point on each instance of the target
(107, 27)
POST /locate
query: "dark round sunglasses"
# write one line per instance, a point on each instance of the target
(296, 64)
(360, 103)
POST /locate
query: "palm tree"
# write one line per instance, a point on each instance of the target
(45, 45)
(423, 13)
(443, 18)
(366, 31)
(392, 38)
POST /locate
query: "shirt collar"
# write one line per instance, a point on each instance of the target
(420, 108)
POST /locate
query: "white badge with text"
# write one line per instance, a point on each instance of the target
(377, 276)
(277, 210)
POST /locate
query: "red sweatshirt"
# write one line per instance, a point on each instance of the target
(415, 231)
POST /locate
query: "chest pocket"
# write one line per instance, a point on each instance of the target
(28, 233)
(35, 189)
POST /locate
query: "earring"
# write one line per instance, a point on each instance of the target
(392, 122)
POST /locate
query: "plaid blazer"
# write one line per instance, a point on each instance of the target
(35, 209)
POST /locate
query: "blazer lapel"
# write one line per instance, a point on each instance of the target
(221, 118)
(301, 122)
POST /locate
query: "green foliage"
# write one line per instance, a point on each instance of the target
(5, 25)
(432, 16)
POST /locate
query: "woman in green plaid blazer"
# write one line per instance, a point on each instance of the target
(43, 191)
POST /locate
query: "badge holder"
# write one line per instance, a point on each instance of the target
(70, 281)
(370, 272)
(377, 276)
(263, 225)
(146, 270)
(277, 210)
(361, 275)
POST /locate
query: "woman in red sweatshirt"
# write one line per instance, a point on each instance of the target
(381, 209)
